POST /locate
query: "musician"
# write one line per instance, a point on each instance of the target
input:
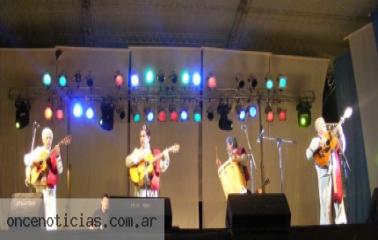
(328, 175)
(102, 214)
(151, 185)
(49, 180)
(236, 154)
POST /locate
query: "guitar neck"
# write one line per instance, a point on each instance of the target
(160, 155)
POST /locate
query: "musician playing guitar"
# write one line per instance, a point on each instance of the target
(145, 165)
(326, 150)
(48, 180)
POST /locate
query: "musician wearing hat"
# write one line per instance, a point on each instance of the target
(235, 154)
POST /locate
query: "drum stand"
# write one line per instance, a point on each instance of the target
(279, 143)
(251, 158)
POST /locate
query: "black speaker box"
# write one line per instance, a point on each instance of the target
(373, 213)
(258, 212)
(25, 205)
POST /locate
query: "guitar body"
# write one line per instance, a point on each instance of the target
(323, 156)
(37, 171)
(147, 167)
(140, 171)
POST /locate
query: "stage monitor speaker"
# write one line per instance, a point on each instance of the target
(167, 208)
(258, 212)
(373, 214)
(25, 205)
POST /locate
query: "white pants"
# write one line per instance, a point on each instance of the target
(49, 199)
(325, 198)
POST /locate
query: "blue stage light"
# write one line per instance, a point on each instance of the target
(77, 110)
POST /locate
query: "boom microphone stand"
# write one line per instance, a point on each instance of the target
(279, 143)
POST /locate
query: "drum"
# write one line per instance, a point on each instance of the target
(232, 178)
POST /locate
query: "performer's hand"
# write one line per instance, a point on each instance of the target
(57, 150)
(323, 142)
(218, 162)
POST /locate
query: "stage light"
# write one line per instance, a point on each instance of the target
(211, 81)
(149, 77)
(185, 78)
(149, 114)
(22, 113)
(173, 114)
(121, 113)
(77, 78)
(252, 81)
(173, 77)
(197, 115)
(304, 114)
(281, 114)
(59, 113)
(89, 81)
(62, 81)
(196, 79)
(134, 80)
(224, 122)
(46, 80)
(162, 114)
(48, 113)
(77, 110)
(269, 115)
(184, 115)
(240, 83)
(240, 111)
(160, 76)
(89, 113)
(282, 82)
(269, 84)
(135, 114)
(210, 113)
(252, 110)
(119, 80)
(136, 117)
(107, 115)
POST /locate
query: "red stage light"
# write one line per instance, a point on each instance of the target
(48, 113)
(270, 116)
(212, 82)
(174, 116)
(119, 80)
(282, 115)
(59, 114)
(162, 116)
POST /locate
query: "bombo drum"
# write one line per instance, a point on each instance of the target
(232, 178)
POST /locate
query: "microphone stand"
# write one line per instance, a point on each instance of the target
(34, 131)
(279, 143)
(250, 157)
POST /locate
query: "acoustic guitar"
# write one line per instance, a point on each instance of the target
(322, 155)
(145, 167)
(40, 169)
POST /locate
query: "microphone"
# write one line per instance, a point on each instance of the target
(36, 124)
(243, 127)
(260, 135)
